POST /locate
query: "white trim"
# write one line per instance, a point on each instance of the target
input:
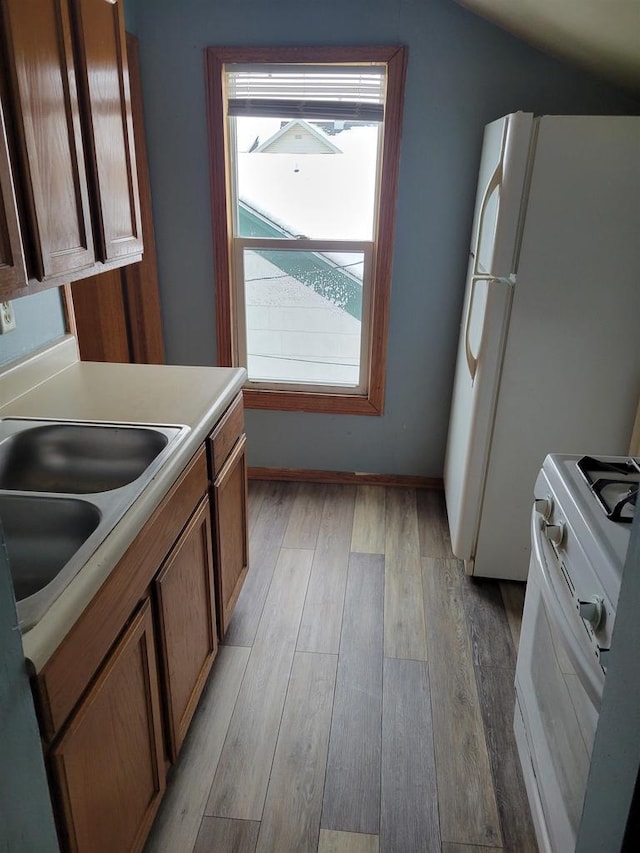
(367, 248)
(303, 244)
(361, 83)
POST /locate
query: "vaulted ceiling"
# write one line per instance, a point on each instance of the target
(600, 35)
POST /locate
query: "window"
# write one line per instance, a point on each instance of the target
(304, 149)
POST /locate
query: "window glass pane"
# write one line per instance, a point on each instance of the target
(303, 316)
(297, 178)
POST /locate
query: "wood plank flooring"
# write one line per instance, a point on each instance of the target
(363, 699)
(352, 790)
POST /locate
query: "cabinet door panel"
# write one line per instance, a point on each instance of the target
(230, 511)
(109, 764)
(105, 77)
(186, 608)
(47, 121)
(13, 274)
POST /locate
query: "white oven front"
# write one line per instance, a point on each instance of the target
(559, 685)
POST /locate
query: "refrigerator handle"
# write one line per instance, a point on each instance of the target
(472, 361)
(494, 183)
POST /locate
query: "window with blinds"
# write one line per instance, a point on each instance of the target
(307, 91)
(304, 156)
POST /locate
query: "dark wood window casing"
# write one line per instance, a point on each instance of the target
(395, 58)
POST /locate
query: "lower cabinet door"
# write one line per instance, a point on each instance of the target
(188, 636)
(231, 547)
(109, 764)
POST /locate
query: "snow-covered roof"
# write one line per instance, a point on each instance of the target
(312, 195)
(322, 140)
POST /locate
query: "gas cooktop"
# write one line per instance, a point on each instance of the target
(614, 484)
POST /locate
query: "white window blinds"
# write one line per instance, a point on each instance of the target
(355, 92)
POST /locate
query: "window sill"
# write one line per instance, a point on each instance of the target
(303, 401)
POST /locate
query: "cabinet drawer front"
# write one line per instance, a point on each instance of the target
(109, 765)
(186, 610)
(66, 675)
(105, 79)
(226, 433)
(43, 83)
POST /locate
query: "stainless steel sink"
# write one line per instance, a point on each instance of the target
(50, 532)
(77, 458)
(41, 535)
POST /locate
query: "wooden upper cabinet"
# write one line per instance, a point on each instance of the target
(70, 144)
(48, 128)
(13, 272)
(104, 80)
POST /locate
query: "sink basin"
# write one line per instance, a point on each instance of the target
(41, 535)
(64, 485)
(77, 458)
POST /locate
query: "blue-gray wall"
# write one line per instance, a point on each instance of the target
(26, 820)
(39, 320)
(463, 72)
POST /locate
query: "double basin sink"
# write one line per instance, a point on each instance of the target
(63, 487)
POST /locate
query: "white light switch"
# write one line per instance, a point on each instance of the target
(7, 318)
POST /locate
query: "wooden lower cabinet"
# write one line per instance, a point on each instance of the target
(110, 716)
(109, 764)
(187, 624)
(229, 494)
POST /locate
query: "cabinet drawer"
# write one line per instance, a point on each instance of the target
(225, 435)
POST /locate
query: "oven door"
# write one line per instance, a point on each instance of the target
(558, 686)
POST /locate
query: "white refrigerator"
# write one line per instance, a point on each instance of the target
(549, 351)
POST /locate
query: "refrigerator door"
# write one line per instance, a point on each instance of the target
(571, 367)
(487, 305)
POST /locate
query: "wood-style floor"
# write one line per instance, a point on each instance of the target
(363, 699)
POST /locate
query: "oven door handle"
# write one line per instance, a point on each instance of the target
(572, 646)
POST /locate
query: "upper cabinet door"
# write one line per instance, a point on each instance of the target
(47, 124)
(104, 76)
(13, 273)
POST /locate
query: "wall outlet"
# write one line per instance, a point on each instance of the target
(7, 318)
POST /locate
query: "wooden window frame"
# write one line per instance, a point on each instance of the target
(395, 58)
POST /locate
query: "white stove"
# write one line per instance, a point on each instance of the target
(585, 491)
(580, 531)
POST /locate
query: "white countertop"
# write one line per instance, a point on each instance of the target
(54, 384)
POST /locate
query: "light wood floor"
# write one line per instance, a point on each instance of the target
(363, 699)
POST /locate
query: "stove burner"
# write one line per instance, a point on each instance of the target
(616, 493)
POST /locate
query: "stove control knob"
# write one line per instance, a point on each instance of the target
(592, 610)
(555, 533)
(544, 506)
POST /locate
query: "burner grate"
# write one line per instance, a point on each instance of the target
(616, 493)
